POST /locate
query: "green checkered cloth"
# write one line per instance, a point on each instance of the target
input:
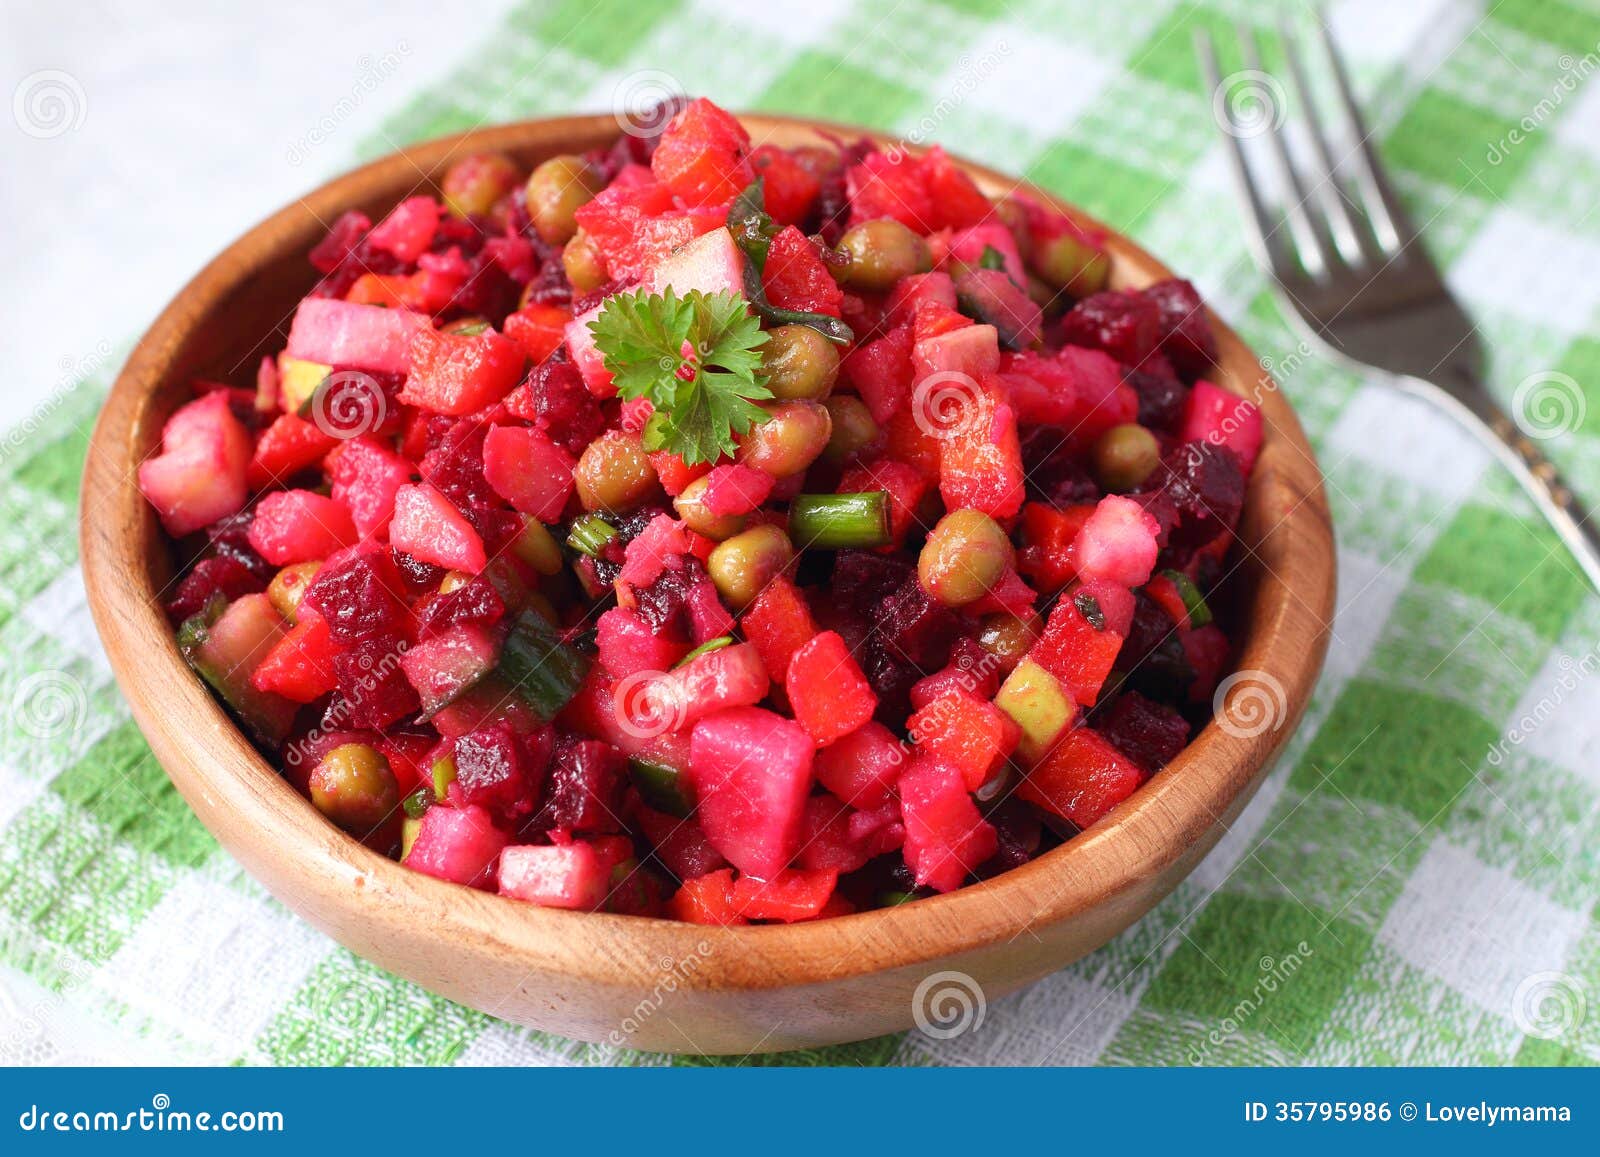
(1414, 884)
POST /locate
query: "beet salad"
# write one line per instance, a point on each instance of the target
(703, 528)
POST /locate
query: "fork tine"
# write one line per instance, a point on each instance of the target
(1260, 237)
(1346, 238)
(1382, 209)
(1301, 230)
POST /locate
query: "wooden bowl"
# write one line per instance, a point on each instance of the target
(657, 984)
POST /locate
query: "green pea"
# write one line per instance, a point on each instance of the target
(690, 505)
(614, 473)
(881, 253)
(791, 439)
(1070, 262)
(475, 183)
(799, 362)
(354, 787)
(1124, 456)
(853, 428)
(965, 556)
(556, 190)
(742, 566)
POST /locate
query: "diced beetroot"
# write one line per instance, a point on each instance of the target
(1149, 733)
(300, 665)
(528, 470)
(703, 155)
(457, 844)
(1117, 543)
(829, 694)
(751, 770)
(359, 594)
(1125, 325)
(1206, 484)
(200, 474)
(568, 876)
(1223, 419)
(826, 841)
(373, 689)
(680, 844)
(459, 374)
(1207, 650)
(971, 735)
(408, 229)
(555, 400)
(880, 370)
(444, 666)
(365, 477)
(222, 575)
(364, 337)
(497, 770)
(487, 702)
(1186, 336)
(730, 677)
(476, 602)
(584, 787)
(862, 767)
(1082, 778)
(428, 527)
(791, 895)
(778, 623)
(293, 526)
(794, 277)
(735, 489)
(627, 644)
(946, 838)
(706, 899)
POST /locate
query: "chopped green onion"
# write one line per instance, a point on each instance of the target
(992, 258)
(837, 521)
(753, 230)
(590, 535)
(1193, 601)
(540, 667)
(706, 648)
(661, 786)
(418, 802)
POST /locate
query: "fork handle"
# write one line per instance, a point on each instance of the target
(1562, 509)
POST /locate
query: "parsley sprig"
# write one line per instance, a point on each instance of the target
(696, 358)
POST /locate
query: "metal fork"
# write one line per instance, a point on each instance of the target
(1347, 264)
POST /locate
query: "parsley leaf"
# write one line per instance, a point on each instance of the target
(696, 358)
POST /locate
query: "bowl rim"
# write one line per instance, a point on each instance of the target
(232, 787)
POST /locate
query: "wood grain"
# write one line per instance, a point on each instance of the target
(656, 984)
